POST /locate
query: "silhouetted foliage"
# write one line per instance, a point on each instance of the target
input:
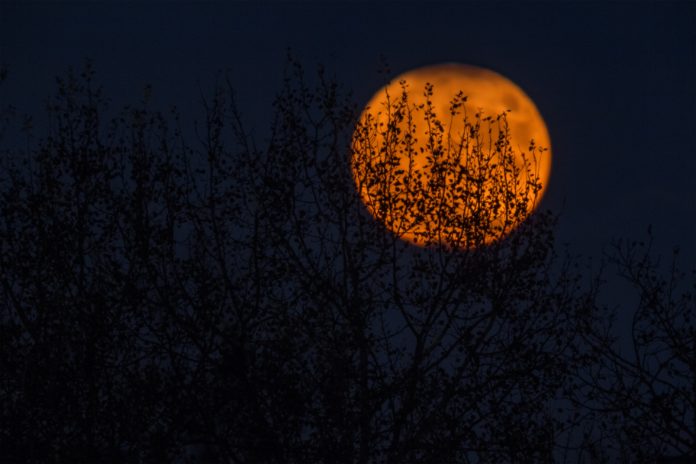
(212, 301)
(641, 396)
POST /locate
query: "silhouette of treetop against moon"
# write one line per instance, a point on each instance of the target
(451, 154)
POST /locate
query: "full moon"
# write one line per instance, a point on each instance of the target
(451, 154)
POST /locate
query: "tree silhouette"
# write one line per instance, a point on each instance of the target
(444, 355)
(212, 301)
(641, 396)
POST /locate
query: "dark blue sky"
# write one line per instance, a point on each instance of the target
(615, 82)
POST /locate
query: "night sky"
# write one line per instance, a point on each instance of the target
(616, 82)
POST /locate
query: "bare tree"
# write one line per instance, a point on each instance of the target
(641, 394)
(186, 296)
(438, 354)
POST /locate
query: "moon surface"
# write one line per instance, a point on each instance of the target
(465, 183)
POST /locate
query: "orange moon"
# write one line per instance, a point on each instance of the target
(394, 153)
